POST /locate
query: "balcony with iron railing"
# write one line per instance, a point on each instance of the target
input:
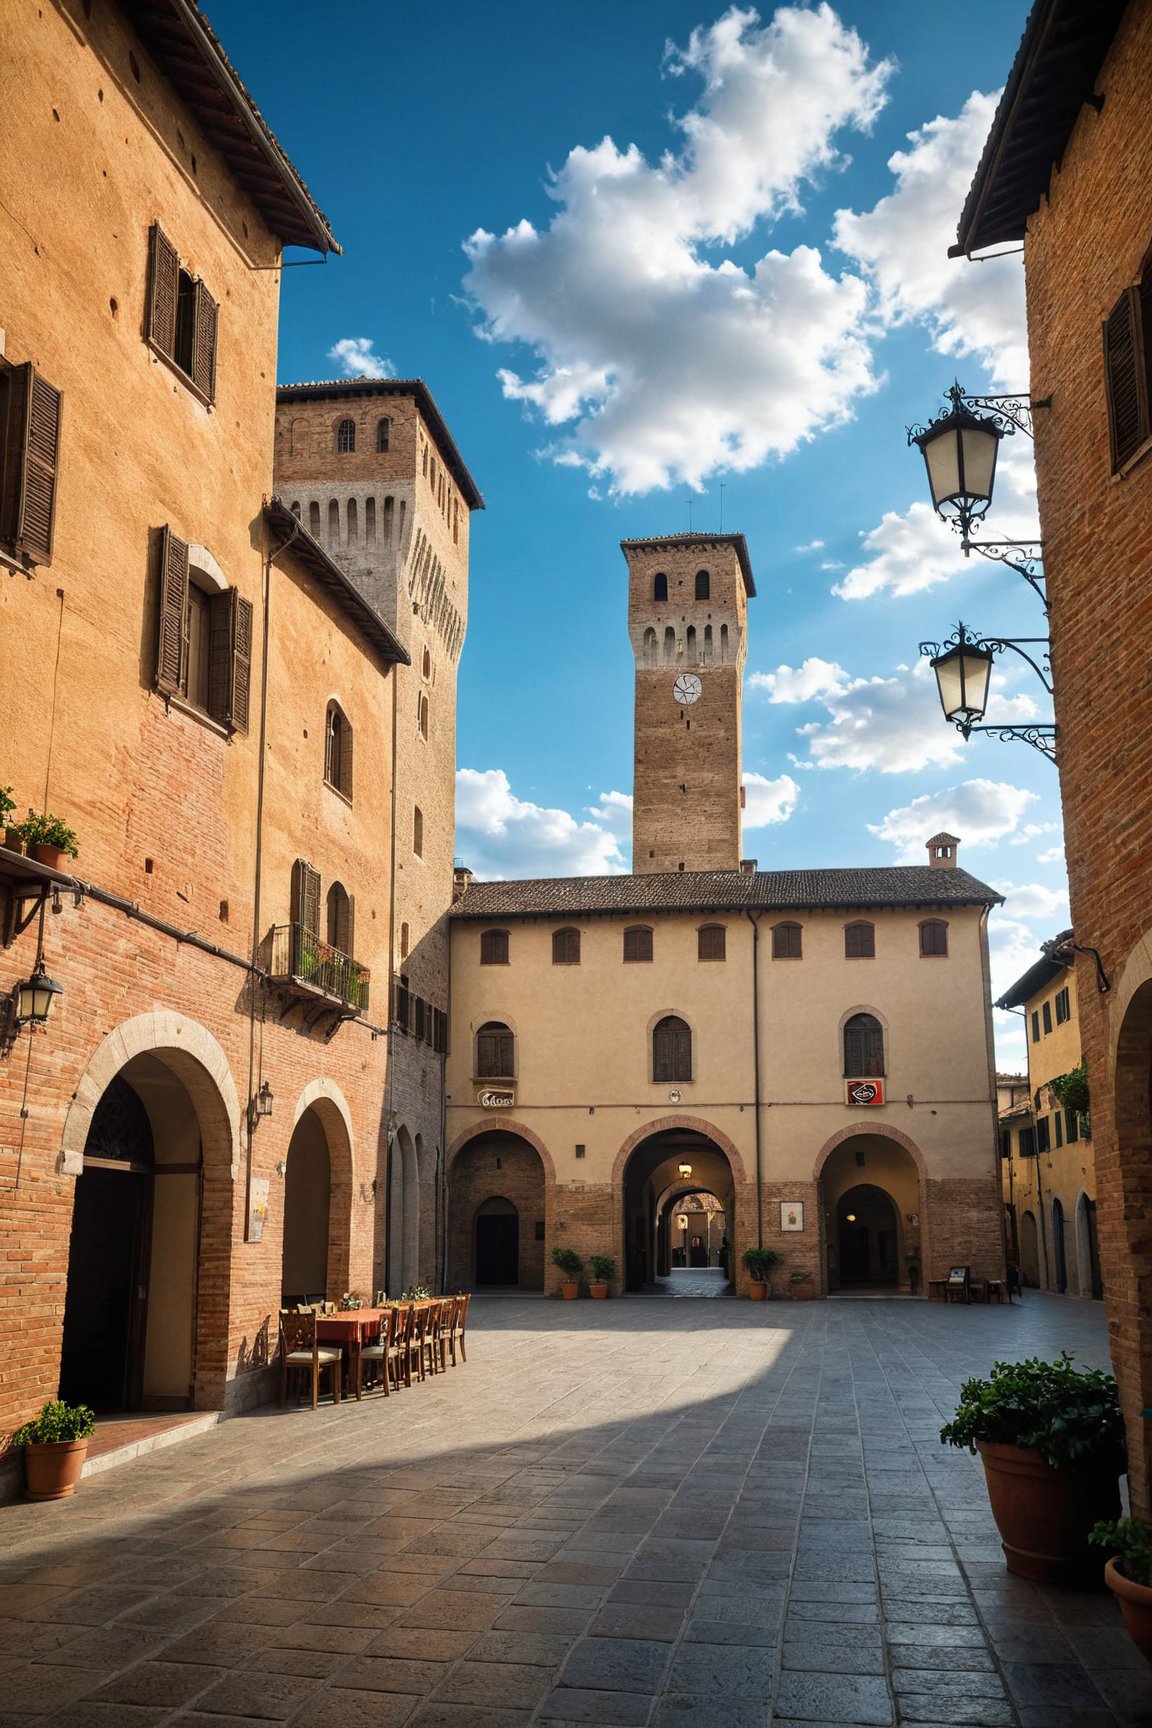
(313, 970)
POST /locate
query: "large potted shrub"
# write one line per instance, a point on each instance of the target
(602, 1269)
(759, 1263)
(55, 1446)
(571, 1266)
(1128, 1574)
(1051, 1439)
(48, 838)
(801, 1287)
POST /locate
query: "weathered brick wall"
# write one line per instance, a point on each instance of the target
(1085, 245)
(496, 1168)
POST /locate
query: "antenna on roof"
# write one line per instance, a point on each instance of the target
(689, 514)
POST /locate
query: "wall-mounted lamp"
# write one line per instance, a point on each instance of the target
(850, 1217)
(262, 1104)
(963, 668)
(30, 1003)
(281, 1169)
(685, 1170)
(682, 1221)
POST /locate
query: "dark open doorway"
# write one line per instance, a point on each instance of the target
(497, 1243)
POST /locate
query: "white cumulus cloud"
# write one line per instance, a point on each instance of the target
(980, 812)
(499, 835)
(658, 358)
(1034, 900)
(767, 802)
(815, 677)
(355, 358)
(614, 810)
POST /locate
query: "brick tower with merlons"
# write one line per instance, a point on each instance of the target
(687, 620)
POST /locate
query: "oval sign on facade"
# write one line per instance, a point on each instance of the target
(495, 1100)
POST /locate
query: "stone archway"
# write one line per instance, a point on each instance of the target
(496, 1173)
(404, 1213)
(871, 1186)
(152, 1136)
(322, 1108)
(656, 1169)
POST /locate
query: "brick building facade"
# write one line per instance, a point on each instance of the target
(1067, 169)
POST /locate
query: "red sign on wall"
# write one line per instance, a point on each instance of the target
(863, 1091)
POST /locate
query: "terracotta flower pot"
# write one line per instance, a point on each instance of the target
(757, 1292)
(1044, 1515)
(1136, 1606)
(52, 1469)
(598, 1292)
(54, 856)
(13, 840)
(570, 1291)
(802, 1292)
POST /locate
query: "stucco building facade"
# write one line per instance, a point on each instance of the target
(1067, 170)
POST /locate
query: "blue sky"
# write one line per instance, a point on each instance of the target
(641, 252)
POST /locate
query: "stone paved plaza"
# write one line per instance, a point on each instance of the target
(675, 1514)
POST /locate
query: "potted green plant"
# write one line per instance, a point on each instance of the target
(800, 1285)
(603, 1268)
(55, 1445)
(1051, 1439)
(48, 838)
(571, 1266)
(1128, 1574)
(351, 1300)
(13, 838)
(759, 1263)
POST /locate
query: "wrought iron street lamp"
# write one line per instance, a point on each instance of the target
(963, 668)
(960, 451)
(34, 998)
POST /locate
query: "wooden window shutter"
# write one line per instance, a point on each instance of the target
(306, 896)
(163, 290)
(30, 457)
(205, 319)
(1125, 377)
(346, 759)
(172, 636)
(230, 659)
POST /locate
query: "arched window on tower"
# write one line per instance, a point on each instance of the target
(333, 522)
(353, 524)
(345, 437)
(863, 1047)
(703, 585)
(706, 658)
(370, 521)
(723, 642)
(314, 520)
(690, 644)
(383, 432)
(650, 653)
(669, 646)
(659, 586)
(422, 714)
(671, 1050)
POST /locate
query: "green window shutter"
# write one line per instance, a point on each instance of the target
(230, 659)
(163, 291)
(1125, 377)
(172, 635)
(205, 318)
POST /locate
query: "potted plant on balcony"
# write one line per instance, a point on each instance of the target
(571, 1266)
(55, 1445)
(1051, 1439)
(1128, 1574)
(759, 1263)
(800, 1285)
(13, 838)
(603, 1268)
(49, 839)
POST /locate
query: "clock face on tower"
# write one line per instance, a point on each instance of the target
(686, 688)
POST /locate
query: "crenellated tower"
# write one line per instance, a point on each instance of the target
(687, 620)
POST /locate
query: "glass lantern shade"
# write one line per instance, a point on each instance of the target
(34, 998)
(685, 1170)
(960, 455)
(962, 678)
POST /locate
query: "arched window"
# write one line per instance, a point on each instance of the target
(669, 646)
(314, 520)
(863, 1047)
(353, 527)
(405, 941)
(339, 920)
(933, 939)
(650, 655)
(703, 585)
(370, 520)
(422, 714)
(659, 586)
(495, 1052)
(426, 664)
(493, 947)
(723, 642)
(690, 644)
(707, 643)
(418, 831)
(296, 509)
(860, 940)
(333, 522)
(338, 750)
(566, 948)
(672, 1050)
(383, 430)
(638, 942)
(711, 942)
(786, 944)
(345, 437)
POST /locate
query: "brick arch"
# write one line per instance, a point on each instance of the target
(1125, 1240)
(502, 1125)
(661, 1125)
(884, 1131)
(325, 1099)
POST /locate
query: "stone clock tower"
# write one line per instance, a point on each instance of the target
(687, 620)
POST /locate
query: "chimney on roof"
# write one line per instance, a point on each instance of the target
(942, 850)
(461, 881)
(747, 866)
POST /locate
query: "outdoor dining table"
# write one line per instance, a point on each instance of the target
(354, 1327)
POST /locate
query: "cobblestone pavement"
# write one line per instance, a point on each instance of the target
(672, 1514)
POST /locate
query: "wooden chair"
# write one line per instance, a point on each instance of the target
(457, 1327)
(958, 1286)
(301, 1353)
(400, 1349)
(381, 1350)
(420, 1343)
